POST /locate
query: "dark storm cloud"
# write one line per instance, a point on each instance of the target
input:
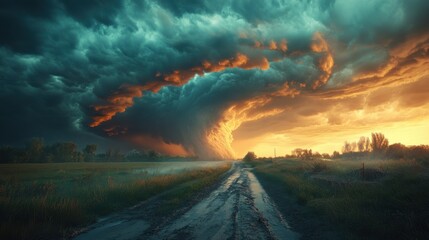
(91, 13)
(185, 115)
(59, 59)
(26, 26)
(183, 7)
(21, 24)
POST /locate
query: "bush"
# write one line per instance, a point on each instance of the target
(319, 166)
(250, 156)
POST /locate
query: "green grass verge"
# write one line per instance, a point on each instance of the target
(392, 205)
(45, 201)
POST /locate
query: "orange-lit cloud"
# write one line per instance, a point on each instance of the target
(123, 98)
(240, 60)
(326, 60)
(280, 46)
(408, 62)
(387, 99)
(393, 99)
(120, 100)
(220, 137)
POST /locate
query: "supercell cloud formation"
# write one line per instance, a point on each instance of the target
(211, 78)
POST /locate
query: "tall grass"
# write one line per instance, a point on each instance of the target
(392, 206)
(52, 204)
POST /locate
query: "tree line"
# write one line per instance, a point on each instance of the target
(36, 151)
(377, 146)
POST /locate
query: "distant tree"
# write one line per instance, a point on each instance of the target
(353, 146)
(379, 143)
(108, 156)
(65, 152)
(89, 152)
(90, 149)
(9, 154)
(303, 153)
(335, 154)
(250, 156)
(347, 147)
(367, 147)
(113, 155)
(361, 144)
(35, 149)
(419, 153)
(396, 151)
(297, 152)
(307, 154)
(134, 155)
(152, 154)
(326, 155)
(78, 157)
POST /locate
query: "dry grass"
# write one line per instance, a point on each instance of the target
(393, 205)
(51, 200)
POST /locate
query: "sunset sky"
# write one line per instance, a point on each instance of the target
(214, 78)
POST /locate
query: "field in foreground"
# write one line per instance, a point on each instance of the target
(383, 200)
(52, 200)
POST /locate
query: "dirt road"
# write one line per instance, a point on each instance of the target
(238, 209)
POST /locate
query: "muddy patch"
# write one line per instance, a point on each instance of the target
(238, 209)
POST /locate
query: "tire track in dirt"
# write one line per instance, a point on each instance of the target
(238, 209)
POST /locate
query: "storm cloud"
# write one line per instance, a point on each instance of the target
(181, 77)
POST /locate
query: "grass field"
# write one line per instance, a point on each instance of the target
(389, 199)
(42, 201)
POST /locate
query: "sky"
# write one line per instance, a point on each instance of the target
(214, 79)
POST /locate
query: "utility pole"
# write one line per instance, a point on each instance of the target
(274, 152)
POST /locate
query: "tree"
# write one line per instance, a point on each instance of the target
(152, 154)
(379, 143)
(419, 153)
(89, 152)
(65, 152)
(303, 153)
(35, 149)
(134, 155)
(317, 155)
(353, 146)
(307, 154)
(297, 152)
(396, 151)
(367, 147)
(347, 147)
(335, 154)
(114, 155)
(250, 156)
(361, 144)
(326, 155)
(9, 154)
